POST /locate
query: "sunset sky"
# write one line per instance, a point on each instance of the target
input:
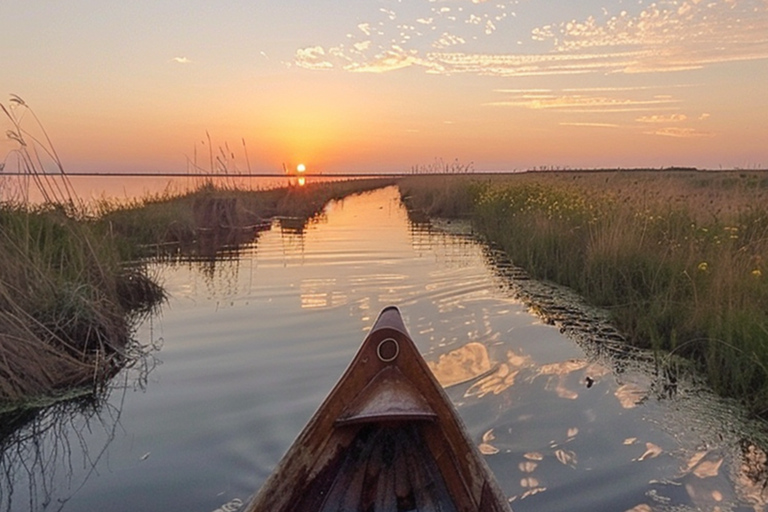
(364, 85)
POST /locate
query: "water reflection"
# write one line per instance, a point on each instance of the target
(567, 416)
(502, 379)
(227, 258)
(39, 455)
(461, 365)
(612, 429)
(48, 454)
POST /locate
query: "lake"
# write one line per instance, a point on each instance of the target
(250, 343)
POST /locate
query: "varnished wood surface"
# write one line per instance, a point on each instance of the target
(386, 439)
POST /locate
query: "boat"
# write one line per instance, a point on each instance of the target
(386, 439)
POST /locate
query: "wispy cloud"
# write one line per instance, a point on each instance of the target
(662, 119)
(387, 60)
(313, 57)
(590, 125)
(679, 35)
(181, 60)
(663, 37)
(678, 132)
(612, 107)
(604, 101)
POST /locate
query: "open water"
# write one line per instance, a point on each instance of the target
(252, 341)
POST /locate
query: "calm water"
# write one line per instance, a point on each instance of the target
(250, 345)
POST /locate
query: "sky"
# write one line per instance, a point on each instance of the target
(386, 85)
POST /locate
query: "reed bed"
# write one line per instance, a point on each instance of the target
(226, 216)
(72, 286)
(68, 301)
(678, 258)
(67, 304)
(72, 280)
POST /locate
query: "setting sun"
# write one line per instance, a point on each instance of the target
(301, 168)
(506, 85)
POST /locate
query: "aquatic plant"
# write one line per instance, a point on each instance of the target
(67, 299)
(67, 304)
(33, 154)
(677, 257)
(210, 218)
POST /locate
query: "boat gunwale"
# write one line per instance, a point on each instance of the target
(467, 476)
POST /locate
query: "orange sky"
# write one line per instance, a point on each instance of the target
(383, 86)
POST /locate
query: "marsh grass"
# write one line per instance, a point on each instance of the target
(72, 279)
(33, 156)
(679, 258)
(210, 218)
(67, 300)
(67, 304)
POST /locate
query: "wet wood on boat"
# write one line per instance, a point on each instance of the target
(386, 439)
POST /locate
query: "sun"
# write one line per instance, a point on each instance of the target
(301, 168)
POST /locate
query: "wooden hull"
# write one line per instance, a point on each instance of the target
(386, 439)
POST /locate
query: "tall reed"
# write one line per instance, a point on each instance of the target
(67, 300)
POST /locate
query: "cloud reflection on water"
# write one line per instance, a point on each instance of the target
(564, 421)
(461, 365)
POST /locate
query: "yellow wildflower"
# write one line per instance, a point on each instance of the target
(703, 267)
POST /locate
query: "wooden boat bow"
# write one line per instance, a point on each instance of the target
(386, 439)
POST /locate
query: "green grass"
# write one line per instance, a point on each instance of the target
(678, 258)
(67, 304)
(68, 300)
(229, 216)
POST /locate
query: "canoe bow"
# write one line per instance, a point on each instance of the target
(386, 439)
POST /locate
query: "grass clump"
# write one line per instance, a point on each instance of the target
(67, 299)
(67, 304)
(678, 258)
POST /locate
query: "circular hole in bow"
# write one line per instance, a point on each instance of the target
(388, 350)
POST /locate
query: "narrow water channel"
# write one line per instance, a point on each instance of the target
(250, 343)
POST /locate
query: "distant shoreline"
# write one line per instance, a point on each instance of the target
(393, 174)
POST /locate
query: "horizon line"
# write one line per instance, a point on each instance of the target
(393, 174)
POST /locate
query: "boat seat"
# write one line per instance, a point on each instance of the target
(390, 396)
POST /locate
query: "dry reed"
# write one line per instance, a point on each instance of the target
(67, 301)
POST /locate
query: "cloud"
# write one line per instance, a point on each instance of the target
(684, 133)
(656, 118)
(390, 14)
(602, 100)
(181, 60)
(583, 104)
(687, 34)
(365, 28)
(362, 46)
(530, 64)
(389, 60)
(665, 36)
(447, 40)
(313, 57)
(591, 125)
